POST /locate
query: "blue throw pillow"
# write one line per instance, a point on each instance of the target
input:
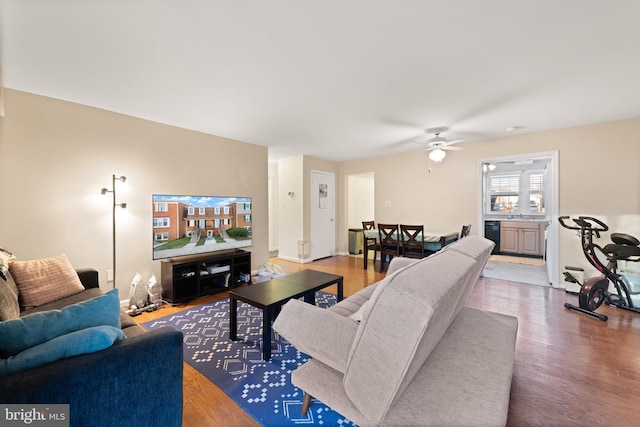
(79, 342)
(20, 334)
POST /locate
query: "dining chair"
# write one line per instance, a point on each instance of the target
(466, 229)
(412, 244)
(370, 243)
(389, 240)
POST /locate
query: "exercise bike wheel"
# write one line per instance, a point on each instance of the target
(593, 293)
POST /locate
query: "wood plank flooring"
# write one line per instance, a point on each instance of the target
(570, 369)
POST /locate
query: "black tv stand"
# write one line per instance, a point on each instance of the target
(191, 277)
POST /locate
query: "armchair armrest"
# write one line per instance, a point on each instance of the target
(322, 334)
(88, 277)
(137, 381)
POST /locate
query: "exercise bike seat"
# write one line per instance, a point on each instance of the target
(624, 239)
(624, 248)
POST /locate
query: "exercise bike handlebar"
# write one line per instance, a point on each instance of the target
(585, 222)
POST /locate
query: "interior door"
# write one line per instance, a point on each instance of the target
(323, 229)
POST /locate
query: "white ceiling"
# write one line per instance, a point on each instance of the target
(335, 79)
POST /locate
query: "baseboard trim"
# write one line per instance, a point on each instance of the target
(298, 260)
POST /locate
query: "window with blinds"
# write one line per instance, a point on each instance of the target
(519, 192)
(504, 184)
(504, 191)
(536, 192)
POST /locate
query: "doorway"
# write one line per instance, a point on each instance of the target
(527, 194)
(323, 230)
(360, 199)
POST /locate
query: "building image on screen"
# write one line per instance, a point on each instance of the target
(191, 225)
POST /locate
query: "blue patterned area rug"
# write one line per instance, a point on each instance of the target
(262, 389)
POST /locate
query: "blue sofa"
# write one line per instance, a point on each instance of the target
(136, 381)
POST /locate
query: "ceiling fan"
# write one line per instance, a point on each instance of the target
(437, 144)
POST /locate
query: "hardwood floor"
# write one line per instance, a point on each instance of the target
(570, 369)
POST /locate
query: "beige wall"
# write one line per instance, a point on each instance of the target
(55, 156)
(360, 200)
(290, 207)
(599, 175)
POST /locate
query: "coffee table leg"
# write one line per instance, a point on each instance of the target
(340, 289)
(233, 319)
(267, 318)
(310, 298)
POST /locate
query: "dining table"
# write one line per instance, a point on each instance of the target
(433, 240)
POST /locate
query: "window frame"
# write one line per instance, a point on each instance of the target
(166, 222)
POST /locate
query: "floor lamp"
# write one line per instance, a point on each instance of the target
(113, 216)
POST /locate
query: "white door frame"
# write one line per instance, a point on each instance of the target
(552, 206)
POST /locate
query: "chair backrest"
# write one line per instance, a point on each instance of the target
(466, 229)
(368, 225)
(412, 238)
(389, 238)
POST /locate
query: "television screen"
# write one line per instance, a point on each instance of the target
(192, 225)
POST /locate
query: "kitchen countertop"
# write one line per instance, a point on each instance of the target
(519, 219)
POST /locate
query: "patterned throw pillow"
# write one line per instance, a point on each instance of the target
(5, 257)
(44, 280)
(9, 307)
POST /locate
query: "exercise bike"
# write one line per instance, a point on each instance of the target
(595, 291)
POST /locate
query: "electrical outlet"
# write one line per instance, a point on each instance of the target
(109, 275)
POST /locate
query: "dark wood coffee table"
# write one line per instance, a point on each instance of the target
(272, 294)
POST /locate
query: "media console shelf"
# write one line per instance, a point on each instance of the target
(190, 277)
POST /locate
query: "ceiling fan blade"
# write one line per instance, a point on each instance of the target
(451, 148)
(422, 139)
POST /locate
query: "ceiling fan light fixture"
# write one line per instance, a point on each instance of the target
(437, 155)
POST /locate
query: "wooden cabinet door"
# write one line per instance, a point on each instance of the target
(509, 240)
(530, 241)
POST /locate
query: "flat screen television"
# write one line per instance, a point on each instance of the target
(192, 225)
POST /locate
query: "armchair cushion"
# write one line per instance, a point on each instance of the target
(28, 331)
(87, 340)
(312, 330)
(45, 280)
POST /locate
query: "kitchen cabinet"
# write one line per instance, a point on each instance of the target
(522, 237)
